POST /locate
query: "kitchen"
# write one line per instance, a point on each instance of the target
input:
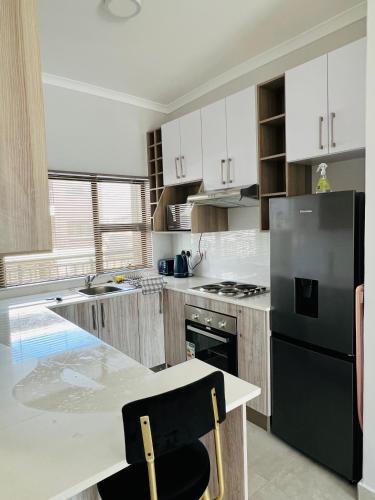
(209, 160)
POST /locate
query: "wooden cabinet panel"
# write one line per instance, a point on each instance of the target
(151, 329)
(254, 354)
(171, 152)
(83, 314)
(24, 207)
(306, 104)
(174, 327)
(191, 146)
(347, 97)
(212, 305)
(214, 146)
(242, 167)
(118, 323)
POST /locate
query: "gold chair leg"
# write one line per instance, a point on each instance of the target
(206, 495)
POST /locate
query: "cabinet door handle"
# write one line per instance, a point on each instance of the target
(183, 174)
(333, 143)
(102, 314)
(93, 312)
(229, 179)
(222, 172)
(161, 305)
(176, 166)
(320, 132)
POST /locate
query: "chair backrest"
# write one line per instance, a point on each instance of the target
(177, 417)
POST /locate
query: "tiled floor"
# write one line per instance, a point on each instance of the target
(278, 472)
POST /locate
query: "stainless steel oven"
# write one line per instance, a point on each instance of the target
(212, 338)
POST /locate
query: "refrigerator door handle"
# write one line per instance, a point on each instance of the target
(359, 300)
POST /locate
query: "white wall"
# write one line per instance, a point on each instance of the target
(369, 381)
(86, 133)
(325, 44)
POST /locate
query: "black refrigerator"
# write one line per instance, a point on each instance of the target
(316, 264)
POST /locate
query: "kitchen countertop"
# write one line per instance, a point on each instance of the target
(62, 390)
(185, 285)
(262, 302)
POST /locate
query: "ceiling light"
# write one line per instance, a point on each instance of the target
(120, 10)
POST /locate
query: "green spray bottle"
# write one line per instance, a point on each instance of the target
(323, 185)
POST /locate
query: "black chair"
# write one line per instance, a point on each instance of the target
(167, 460)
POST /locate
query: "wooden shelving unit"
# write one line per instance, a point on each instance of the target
(277, 178)
(155, 168)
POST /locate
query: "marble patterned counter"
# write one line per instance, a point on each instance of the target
(62, 390)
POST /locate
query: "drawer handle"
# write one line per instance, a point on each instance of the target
(222, 172)
(176, 166)
(333, 143)
(182, 166)
(103, 314)
(93, 312)
(320, 132)
(230, 180)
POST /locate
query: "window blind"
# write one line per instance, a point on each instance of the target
(99, 223)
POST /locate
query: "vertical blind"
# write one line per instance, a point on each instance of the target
(99, 223)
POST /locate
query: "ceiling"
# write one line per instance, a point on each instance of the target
(172, 46)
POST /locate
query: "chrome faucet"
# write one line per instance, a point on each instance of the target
(89, 280)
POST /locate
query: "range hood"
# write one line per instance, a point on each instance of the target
(228, 198)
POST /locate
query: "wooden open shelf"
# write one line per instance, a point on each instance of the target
(155, 168)
(277, 178)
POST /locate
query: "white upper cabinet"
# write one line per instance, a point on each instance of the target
(171, 152)
(241, 139)
(306, 107)
(229, 141)
(347, 97)
(191, 146)
(182, 149)
(214, 146)
(325, 104)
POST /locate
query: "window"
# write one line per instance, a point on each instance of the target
(99, 223)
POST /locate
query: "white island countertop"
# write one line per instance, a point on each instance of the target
(61, 392)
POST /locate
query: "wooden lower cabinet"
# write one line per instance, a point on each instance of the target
(174, 327)
(82, 314)
(118, 323)
(151, 329)
(254, 354)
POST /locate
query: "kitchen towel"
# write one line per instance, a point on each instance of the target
(152, 284)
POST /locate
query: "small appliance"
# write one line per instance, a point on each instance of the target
(181, 266)
(165, 267)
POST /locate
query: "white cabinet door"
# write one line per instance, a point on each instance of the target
(214, 146)
(171, 152)
(306, 106)
(191, 147)
(347, 97)
(242, 169)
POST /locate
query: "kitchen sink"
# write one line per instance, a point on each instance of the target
(100, 290)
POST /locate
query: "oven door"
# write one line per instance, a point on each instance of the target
(214, 347)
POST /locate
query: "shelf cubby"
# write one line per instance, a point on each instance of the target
(155, 169)
(277, 178)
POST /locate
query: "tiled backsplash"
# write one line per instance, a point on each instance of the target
(232, 255)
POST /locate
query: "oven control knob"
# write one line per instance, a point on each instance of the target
(208, 320)
(222, 324)
(195, 317)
